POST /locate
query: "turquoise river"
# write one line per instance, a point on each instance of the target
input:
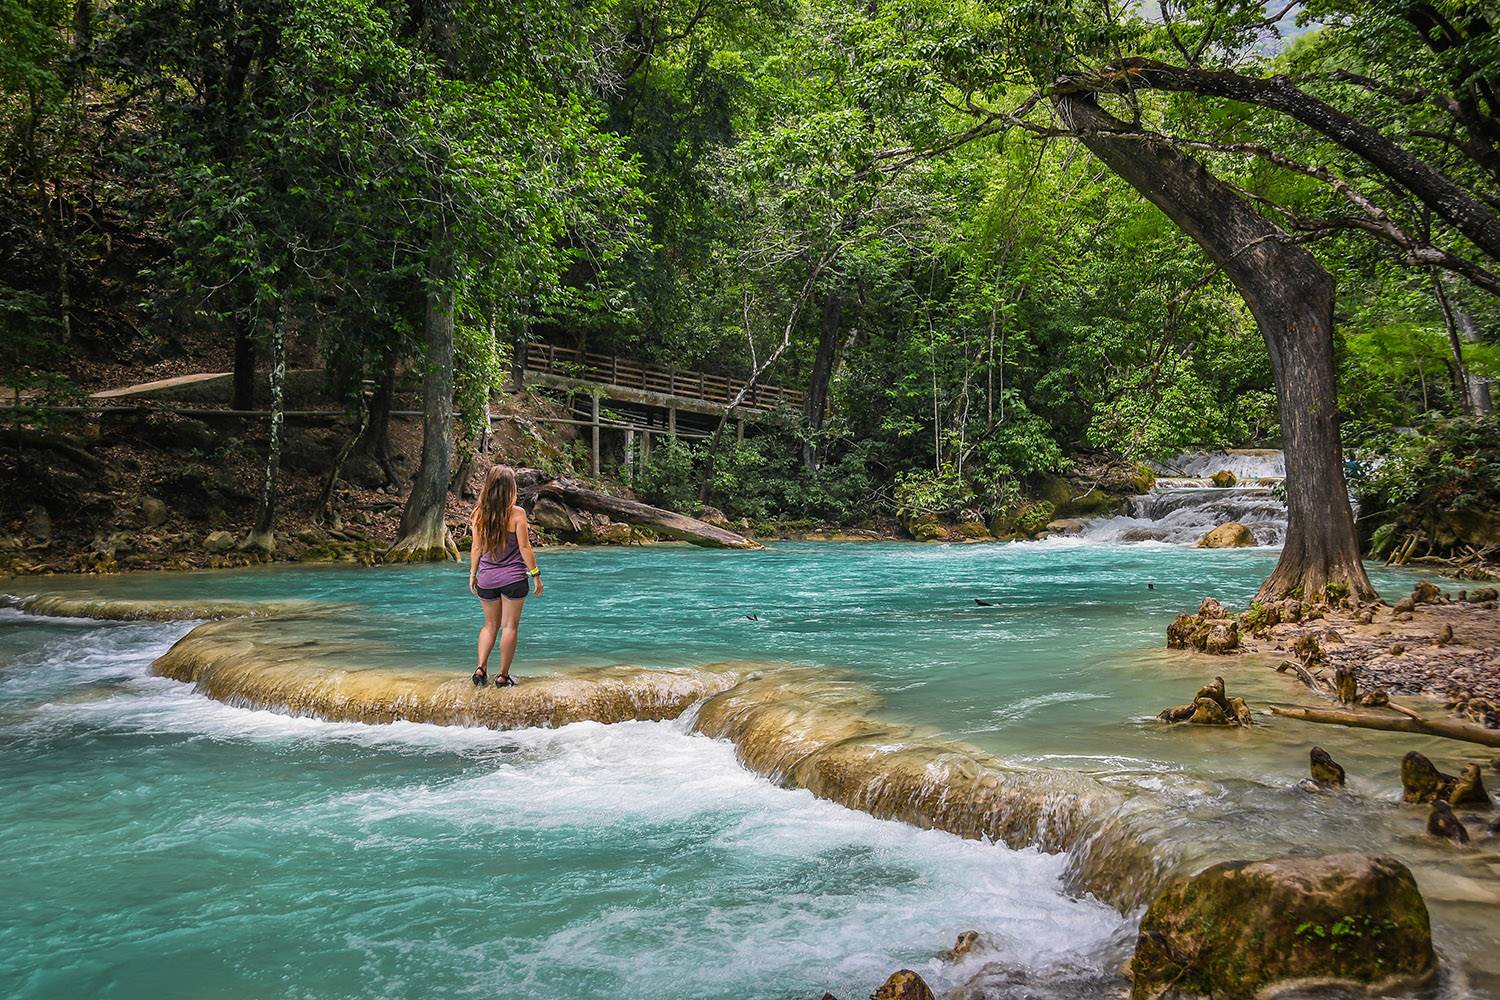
(157, 843)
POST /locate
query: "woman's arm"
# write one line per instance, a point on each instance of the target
(473, 557)
(523, 540)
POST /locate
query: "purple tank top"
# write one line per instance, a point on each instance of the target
(502, 572)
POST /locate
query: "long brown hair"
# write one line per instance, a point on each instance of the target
(493, 511)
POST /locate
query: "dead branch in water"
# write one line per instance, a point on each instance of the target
(1409, 722)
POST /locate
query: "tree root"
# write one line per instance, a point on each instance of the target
(1409, 722)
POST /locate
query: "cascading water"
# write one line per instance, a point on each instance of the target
(157, 837)
(1185, 505)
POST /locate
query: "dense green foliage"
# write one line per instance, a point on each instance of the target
(875, 195)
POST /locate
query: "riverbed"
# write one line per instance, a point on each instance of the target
(162, 843)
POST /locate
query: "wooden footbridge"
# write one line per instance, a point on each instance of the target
(650, 399)
(646, 401)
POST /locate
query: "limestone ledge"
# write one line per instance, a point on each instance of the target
(59, 605)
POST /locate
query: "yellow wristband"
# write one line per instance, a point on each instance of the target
(534, 572)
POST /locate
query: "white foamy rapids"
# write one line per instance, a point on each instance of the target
(1250, 463)
(1184, 516)
(790, 889)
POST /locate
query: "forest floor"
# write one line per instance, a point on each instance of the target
(1447, 648)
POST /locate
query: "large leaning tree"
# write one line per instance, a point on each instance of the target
(1260, 132)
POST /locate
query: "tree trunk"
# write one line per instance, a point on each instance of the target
(244, 369)
(1291, 298)
(574, 494)
(822, 376)
(424, 531)
(376, 440)
(262, 537)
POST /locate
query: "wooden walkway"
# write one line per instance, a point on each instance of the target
(669, 388)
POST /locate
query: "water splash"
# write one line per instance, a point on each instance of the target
(1182, 516)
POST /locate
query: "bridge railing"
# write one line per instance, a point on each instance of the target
(586, 366)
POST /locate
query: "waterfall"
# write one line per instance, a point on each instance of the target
(1184, 505)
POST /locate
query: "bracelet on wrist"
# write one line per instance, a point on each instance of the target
(534, 572)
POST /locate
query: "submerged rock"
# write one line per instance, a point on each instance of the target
(903, 985)
(1210, 707)
(967, 942)
(1469, 789)
(1442, 823)
(1241, 928)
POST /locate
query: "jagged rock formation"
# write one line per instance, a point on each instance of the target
(1210, 707)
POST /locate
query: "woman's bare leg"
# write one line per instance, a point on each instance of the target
(488, 631)
(510, 627)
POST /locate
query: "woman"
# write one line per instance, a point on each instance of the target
(500, 561)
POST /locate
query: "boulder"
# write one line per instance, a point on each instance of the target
(1425, 592)
(1242, 928)
(903, 985)
(1229, 535)
(1223, 637)
(1484, 594)
(153, 512)
(929, 530)
(1065, 526)
(555, 516)
(219, 541)
(971, 530)
(1223, 479)
(611, 533)
(1211, 608)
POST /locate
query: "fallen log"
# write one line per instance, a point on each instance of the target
(572, 493)
(1408, 722)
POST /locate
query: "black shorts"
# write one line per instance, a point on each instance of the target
(515, 591)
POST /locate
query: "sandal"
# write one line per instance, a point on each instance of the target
(505, 681)
(481, 677)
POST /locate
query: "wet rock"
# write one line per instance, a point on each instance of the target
(1442, 823)
(1180, 632)
(971, 530)
(1210, 707)
(1397, 649)
(1404, 606)
(1445, 635)
(153, 512)
(903, 985)
(929, 530)
(1422, 782)
(1240, 928)
(1065, 526)
(1223, 479)
(1375, 699)
(1326, 771)
(1223, 638)
(1229, 535)
(1211, 608)
(1290, 610)
(610, 533)
(219, 541)
(1425, 592)
(1484, 595)
(1469, 789)
(1366, 616)
(967, 942)
(1307, 648)
(555, 517)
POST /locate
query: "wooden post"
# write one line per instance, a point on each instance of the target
(629, 454)
(672, 422)
(596, 434)
(646, 447)
(739, 429)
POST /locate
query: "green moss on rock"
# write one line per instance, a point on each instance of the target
(1241, 927)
